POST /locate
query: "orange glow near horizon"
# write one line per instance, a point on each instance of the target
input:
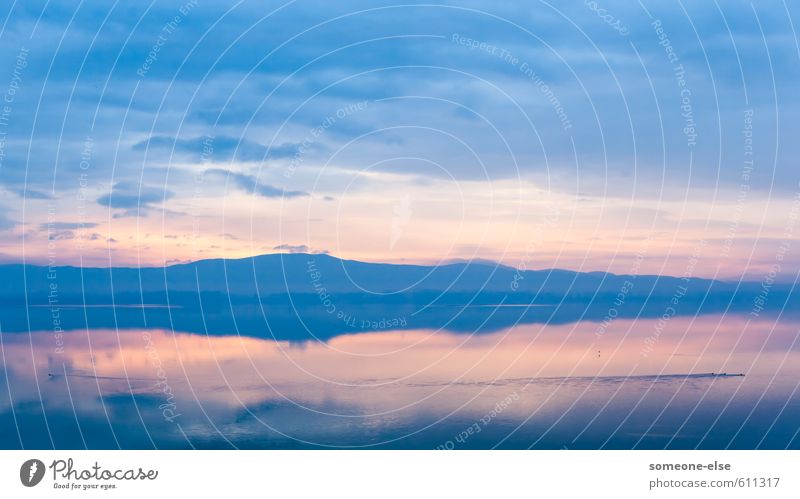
(511, 222)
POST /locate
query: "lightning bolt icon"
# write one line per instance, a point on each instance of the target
(32, 472)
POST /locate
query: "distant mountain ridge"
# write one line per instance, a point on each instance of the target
(302, 297)
(301, 273)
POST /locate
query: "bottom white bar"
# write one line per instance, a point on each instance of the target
(401, 474)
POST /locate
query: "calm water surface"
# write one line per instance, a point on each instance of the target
(636, 384)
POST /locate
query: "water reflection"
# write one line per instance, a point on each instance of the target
(534, 385)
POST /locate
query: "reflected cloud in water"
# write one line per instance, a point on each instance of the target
(534, 385)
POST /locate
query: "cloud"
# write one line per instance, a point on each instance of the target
(61, 235)
(251, 185)
(133, 199)
(220, 148)
(596, 75)
(5, 222)
(292, 248)
(33, 194)
(66, 225)
(299, 248)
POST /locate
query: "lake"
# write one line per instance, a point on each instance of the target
(628, 383)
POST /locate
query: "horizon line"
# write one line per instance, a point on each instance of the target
(456, 261)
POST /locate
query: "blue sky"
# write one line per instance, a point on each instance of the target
(169, 131)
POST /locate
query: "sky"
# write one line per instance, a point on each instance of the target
(652, 137)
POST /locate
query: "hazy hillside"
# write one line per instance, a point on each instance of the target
(303, 273)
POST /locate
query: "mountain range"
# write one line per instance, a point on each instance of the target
(298, 297)
(301, 273)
